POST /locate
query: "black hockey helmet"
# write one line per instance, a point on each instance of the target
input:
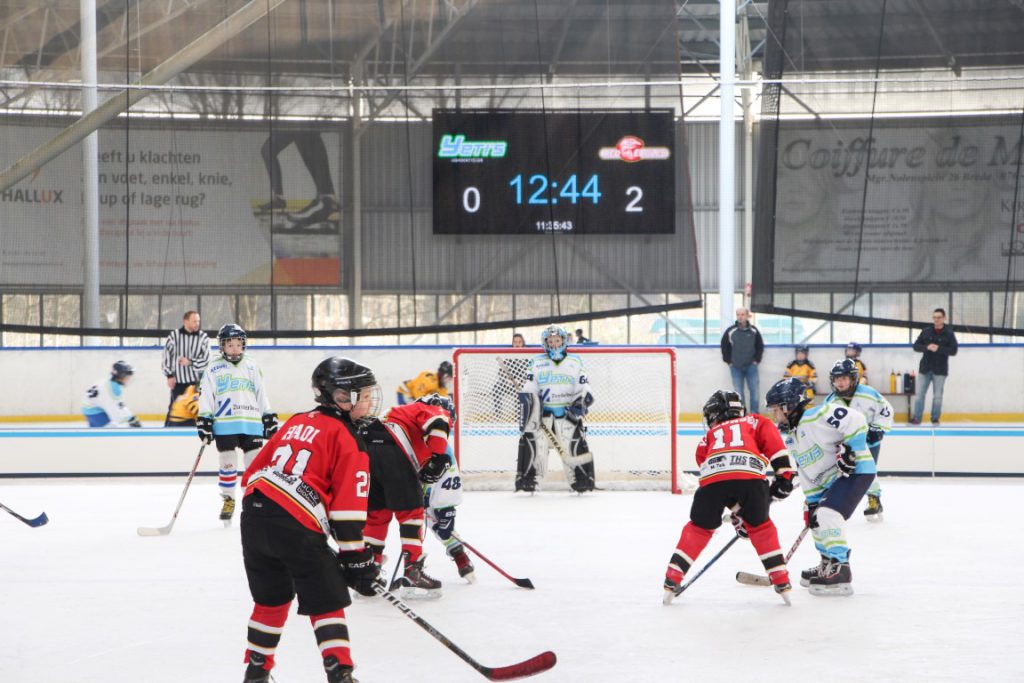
(336, 373)
(845, 368)
(721, 406)
(445, 368)
(120, 370)
(855, 348)
(231, 331)
(804, 349)
(444, 402)
(789, 394)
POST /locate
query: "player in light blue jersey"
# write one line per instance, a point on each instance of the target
(104, 401)
(877, 411)
(829, 444)
(554, 399)
(233, 411)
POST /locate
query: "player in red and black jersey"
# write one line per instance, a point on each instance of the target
(311, 481)
(407, 449)
(733, 458)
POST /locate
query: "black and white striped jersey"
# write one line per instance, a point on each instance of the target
(192, 345)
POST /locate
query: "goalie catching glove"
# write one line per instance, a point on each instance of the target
(359, 570)
(204, 425)
(846, 460)
(433, 470)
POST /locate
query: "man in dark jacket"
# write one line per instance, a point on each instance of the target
(935, 344)
(742, 348)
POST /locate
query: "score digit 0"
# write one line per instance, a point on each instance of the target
(471, 199)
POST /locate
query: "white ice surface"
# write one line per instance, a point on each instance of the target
(938, 593)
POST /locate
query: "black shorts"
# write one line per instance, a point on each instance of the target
(394, 484)
(709, 502)
(247, 442)
(283, 558)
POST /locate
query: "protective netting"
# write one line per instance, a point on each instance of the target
(631, 427)
(890, 162)
(271, 149)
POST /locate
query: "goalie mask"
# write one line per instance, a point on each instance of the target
(787, 401)
(555, 340)
(339, 382)
(844, 368)
(721, 406)
(231, 331)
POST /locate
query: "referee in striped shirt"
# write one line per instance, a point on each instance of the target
(186, 355)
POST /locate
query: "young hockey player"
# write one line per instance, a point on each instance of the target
(103, 402)
(407, 449)
(830, 448)
(733, 457)
(853, 351)
(426, 383)
(309, 482)
(233, 411)
(877, 411)
(803, 369)
(554, 399)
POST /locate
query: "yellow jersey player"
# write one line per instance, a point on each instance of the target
(803, 369)
(426, 383)
(853, 350)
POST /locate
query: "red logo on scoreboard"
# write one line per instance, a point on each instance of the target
(632, 149)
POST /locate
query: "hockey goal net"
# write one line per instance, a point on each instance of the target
(631, 427)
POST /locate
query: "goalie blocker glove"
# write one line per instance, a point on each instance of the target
(204, 425)
(359, 570)
(434, 468)
(270, 425)
(846, 460)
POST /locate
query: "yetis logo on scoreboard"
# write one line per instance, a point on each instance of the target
(632, 149)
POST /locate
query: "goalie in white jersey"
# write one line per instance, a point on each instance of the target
(233, 411)
(876, 409)
(829, 444)
(554, 399)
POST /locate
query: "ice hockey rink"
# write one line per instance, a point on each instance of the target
(937, 595)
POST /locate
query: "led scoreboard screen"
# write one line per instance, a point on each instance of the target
(580, 172)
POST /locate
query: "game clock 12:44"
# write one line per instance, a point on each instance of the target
(582, 172)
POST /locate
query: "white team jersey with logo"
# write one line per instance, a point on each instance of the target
(233, 395)
(866, 400)
(818, 439)
(446, 491)
(556, 384)
(105, 397)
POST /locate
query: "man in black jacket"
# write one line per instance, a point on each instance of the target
(936, 344)
(742, 348)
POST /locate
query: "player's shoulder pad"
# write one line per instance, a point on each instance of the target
(868, 391)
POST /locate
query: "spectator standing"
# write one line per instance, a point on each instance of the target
(186, 355)
(742, 348)
(935, 344)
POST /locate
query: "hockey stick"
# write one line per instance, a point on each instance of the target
(394, 575)
(164, 530)
(676, 593)
(35, 521)
(756, 579)
(569, 460)
(522, 583)
(529, 667)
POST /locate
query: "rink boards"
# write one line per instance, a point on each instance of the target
(38, 451)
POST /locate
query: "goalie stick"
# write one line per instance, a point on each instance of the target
(35, 521)
(164, 530)
(570, 461)
(758, 580)
(529, 667)
(522, 583)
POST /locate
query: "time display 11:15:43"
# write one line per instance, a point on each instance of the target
(537, 189)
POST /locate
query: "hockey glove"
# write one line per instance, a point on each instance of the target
(204, 425)
(134, 422)
(739, 525)
(359, 570)
(434, 468)
(782, 486)
(875, 436)
(577, 409)
(269, 425)
(846, 460)
(444, 523)
(809, 509)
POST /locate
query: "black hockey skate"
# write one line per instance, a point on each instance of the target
(336, 672)
(672, 589)
(834, 579)
(807, 574)
(227, 510)
(255, 673)
(416, 583)
(462, 561)
(873, 511)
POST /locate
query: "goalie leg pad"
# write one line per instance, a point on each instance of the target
(531, 445)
